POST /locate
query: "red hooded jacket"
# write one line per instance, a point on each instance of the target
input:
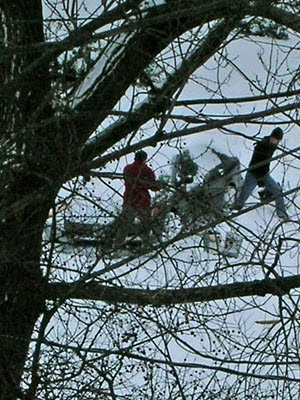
(139, 179)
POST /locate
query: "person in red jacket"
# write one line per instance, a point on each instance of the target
(139, 179)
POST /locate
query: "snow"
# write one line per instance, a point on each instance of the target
(103, 66)
(106, 63)
(4, 27)
(150, 3)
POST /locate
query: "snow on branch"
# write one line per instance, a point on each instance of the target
(105, 65)
(280, 16)
(159, 100)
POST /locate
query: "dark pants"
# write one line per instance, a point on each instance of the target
(127, 218)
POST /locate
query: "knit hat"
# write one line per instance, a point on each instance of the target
(277, 133)
(140, 155)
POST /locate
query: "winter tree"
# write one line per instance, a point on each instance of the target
(84, 84)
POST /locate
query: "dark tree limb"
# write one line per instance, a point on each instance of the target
(161, 98)
(133, 58)
(163, 297)
(205, 127)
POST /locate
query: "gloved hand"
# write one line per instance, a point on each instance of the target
(162, 182)
(164, 178)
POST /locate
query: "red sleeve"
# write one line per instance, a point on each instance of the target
(150, 176)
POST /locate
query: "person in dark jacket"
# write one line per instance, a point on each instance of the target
(139, 179)
(258, 173)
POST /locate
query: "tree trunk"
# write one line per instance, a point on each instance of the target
(26, 191)
(21, 295)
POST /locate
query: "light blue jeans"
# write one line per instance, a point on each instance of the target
(273, 187)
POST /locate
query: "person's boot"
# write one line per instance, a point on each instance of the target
(236, 207)
(284, 217)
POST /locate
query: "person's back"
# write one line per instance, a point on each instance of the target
(262, 155)
(139, 179)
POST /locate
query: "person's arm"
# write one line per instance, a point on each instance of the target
(151, 181)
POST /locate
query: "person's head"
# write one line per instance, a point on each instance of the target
(276, 135)
(141, 156)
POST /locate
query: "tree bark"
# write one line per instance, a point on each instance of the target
(162, 297)
(26, 191)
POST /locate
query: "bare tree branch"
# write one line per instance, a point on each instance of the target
(160, 100)
(162, 297)
(238, 100)
(204, 127)
(112, 86)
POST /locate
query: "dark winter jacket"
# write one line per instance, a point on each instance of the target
(139, 179)
(263, 153)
